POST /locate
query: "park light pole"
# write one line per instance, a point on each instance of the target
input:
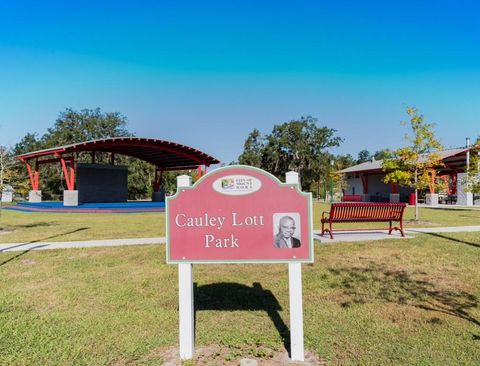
(332, 162)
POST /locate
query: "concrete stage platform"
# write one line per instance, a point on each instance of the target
(106, 207)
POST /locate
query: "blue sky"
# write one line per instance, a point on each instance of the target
(206, 73)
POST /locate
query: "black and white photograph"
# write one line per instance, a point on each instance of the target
(286, 230)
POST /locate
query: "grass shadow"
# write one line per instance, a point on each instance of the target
(378, 283)
(35, 247)
(226, 296)
(437, 235)
(21, 254)
(34, 225)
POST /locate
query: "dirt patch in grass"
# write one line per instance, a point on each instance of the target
(6, 230)
(28, 262)
(229, 356)
(420, 223)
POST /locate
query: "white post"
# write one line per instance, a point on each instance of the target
(185, 297)
(295, 297)
(186, 323)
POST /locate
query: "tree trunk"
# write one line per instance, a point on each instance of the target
(318, 189)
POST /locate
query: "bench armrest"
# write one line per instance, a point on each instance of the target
(325, 213)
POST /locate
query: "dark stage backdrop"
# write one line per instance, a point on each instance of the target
(102, 183)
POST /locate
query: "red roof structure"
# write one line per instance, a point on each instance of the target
(164, 155)
(453, 160)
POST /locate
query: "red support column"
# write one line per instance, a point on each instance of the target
(69, 173)
(447, 183)
(199, 172)
(72, 173)
(431, 185)
(394, 188)
(34, 176)
(454, 183)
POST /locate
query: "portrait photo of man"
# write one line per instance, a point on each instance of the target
(285, 235)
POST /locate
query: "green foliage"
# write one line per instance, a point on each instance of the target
(6, 172)
(9, 172)
(298, 145)
(344, 161)
(383, 154)
(364, 156)
(140, 177)
(252, 150)
(339, 183)
(88, 124)
(340, 180)
(414, 165)
(472, 180)
(29, 142)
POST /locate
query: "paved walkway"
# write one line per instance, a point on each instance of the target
(340, 236)
(15, 247)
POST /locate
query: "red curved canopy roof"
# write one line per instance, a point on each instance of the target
(165, 155)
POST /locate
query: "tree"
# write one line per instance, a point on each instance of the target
(472, 180)
(344, 161)
(7, 172)
(29, 142)
(252, 149)
(88, 124)
(364, 156)
(298, 145)
(339, 180)
(383, 154)
(415, 165)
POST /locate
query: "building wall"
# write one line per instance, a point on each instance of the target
(354, 185)
(376, 187)
(102, 183)
(377, 190)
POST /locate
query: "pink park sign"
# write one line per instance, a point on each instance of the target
(239, 214)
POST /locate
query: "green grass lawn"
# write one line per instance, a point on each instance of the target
(391, 302)
(27, 227)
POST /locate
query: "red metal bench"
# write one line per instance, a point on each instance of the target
(364, 212)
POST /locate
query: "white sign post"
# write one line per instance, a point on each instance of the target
(185, 297)
(295, 298)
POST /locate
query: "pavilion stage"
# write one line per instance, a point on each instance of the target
(98, 207)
